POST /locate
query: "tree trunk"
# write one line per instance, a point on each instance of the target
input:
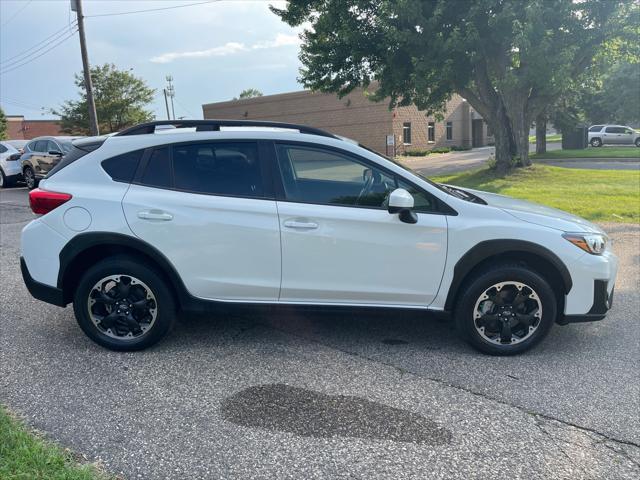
(504, 140)
(541, 133)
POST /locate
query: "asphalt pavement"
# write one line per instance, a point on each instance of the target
(299, 395)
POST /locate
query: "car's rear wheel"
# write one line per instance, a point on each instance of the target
(637, 142)
(506, 310)
(123, 305)
(596, 142)
(3, 180)
(30, 178)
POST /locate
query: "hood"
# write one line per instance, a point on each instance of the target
(537, 214)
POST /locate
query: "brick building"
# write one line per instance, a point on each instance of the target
(370, 123)
(20, 129)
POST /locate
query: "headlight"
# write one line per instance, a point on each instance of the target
(593, 243)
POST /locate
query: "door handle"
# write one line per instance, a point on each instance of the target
(300, 225)
(155, 215)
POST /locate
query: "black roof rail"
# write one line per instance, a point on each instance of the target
(214, 126)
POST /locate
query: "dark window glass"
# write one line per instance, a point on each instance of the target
(406, 133)
(614, 130)
(489, 130)
(431, 132)
(449, 130)
(329, 178)
(40, 146)
(595, 128)
(53, 147)
(30, 147)
(158, 171)
(3, 148)
(123, 167)
(218, 168)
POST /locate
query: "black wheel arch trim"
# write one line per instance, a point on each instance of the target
(40, 291)
(84, 241)
(490, 248)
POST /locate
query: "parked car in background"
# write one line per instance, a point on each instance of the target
(600, 135)
(140, 226)
(40, 155)
(10, 167)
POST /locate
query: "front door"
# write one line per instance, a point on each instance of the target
(206, 207)
(339, 243)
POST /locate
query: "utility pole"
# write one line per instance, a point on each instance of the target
(76, 6)
(166, 103)
(171, 92)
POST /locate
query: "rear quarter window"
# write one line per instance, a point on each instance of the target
(123, 167)
(75, 153)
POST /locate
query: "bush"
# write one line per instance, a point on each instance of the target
(441, 150)
(417, 153)
(457, 148)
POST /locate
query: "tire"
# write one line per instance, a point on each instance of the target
(4, 182)
(637, 142)
(30, 178)
(478, 318)
(596, 142)
(147, 289)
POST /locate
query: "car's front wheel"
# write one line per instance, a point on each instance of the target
(596, 142)
(637, 142)
(124, 305)
(506, 310)
(30, 178)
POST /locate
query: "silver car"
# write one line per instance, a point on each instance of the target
(10, 166)
(613, 135)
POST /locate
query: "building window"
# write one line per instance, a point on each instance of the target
(431, 131)
(406, 133)
(449, 130)
(489, 131)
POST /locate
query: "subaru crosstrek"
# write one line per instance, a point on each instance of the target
(141, 225)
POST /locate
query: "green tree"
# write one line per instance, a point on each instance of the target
(3, 125)
(509, 59)
(249, 93)
(120, 99)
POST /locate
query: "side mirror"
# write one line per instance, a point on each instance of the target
(55, 152)
(401, 202)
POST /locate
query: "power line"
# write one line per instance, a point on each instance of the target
(150, 10)
(16, 104)
(184, 109)
(60, 42)
(40, 45)
(6, 22)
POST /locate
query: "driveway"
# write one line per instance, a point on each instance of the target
(345, 395)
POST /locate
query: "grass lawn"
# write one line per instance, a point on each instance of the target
(24, 455)
(597, 195)
(556, 137)
(591, 152)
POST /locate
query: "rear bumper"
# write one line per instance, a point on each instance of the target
(602, 302)
(38, 290)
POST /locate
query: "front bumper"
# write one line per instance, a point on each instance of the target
(38, 290)
(602, 302)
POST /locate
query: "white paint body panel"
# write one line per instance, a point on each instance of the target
(239, 250)
(224, 248)
(360, 255)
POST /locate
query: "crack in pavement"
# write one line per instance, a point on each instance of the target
(402, 371)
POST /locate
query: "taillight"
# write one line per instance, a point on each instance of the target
(42, 201)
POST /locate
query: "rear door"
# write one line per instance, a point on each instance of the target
(208, 207)
(613, 135)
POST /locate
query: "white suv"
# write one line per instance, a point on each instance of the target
(138, 226)
(600, 135)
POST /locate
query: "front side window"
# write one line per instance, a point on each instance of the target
(449, 130)
(40, 146)
(218, 168)
(406, 133)
(431, 132)
(327, 177)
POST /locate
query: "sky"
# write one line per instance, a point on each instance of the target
(213, 51)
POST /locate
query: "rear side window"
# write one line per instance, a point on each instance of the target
(40, 146)
(218, 168)
(614, 130)
(158, 171)
(123, 167)
(3, 148)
